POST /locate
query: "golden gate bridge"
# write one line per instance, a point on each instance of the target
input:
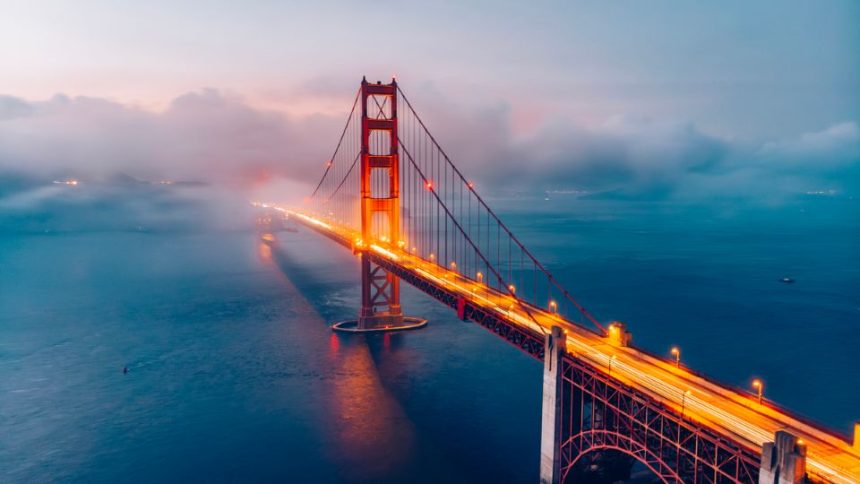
(391, 195)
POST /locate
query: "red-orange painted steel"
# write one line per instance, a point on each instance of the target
(380, 289)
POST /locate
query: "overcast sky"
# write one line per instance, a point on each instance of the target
(737, 68)
(595, 95)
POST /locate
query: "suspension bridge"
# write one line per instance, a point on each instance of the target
(391, 195)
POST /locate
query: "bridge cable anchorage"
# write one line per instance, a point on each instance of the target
(502, 225)
(346, 126)
(468, 239)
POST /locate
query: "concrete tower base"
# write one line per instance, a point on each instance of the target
(783, 461)
(550, 460)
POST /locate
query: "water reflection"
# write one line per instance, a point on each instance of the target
(264, 251)
(368, 434)
(375, 438)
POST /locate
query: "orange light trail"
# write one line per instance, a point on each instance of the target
(725, 410)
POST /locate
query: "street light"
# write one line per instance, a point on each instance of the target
(684, 401)
(611, 359)
(453, 266)
(759, 386)
(480, 276)
(676, 352)
(553, 306)
(513, 289)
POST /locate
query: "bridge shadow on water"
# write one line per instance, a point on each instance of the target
(307, 281)
(333, 300)
(369, 434)
(375, 429)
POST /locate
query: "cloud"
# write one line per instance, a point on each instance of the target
(122, 204)
(636, 157)
(240, 151)
(643, 158)
(205, 135)
(827, 161)
(834, 147)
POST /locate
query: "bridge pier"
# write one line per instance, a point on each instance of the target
(550, 437)
(783, 461)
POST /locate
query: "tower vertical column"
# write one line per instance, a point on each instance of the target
(380, 194)
(550, 436)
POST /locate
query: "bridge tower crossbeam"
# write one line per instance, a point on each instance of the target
(380, 195)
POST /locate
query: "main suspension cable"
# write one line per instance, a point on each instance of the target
(342, 134)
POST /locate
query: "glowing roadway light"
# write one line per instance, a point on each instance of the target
(384, 251)
(311, 220)
(676, 352)
(429, 185)
(716, 406)
(453, 266)
(759, 386)
(613, 330)
(513, 289)
(432, 257)
(553, 306)
(480, 276)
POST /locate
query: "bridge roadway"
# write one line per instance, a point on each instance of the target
(727, 411)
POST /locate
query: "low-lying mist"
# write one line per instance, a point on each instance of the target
(196, 164)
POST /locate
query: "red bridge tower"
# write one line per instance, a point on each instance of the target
(380, 211)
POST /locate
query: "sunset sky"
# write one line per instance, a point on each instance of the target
(704, 94)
